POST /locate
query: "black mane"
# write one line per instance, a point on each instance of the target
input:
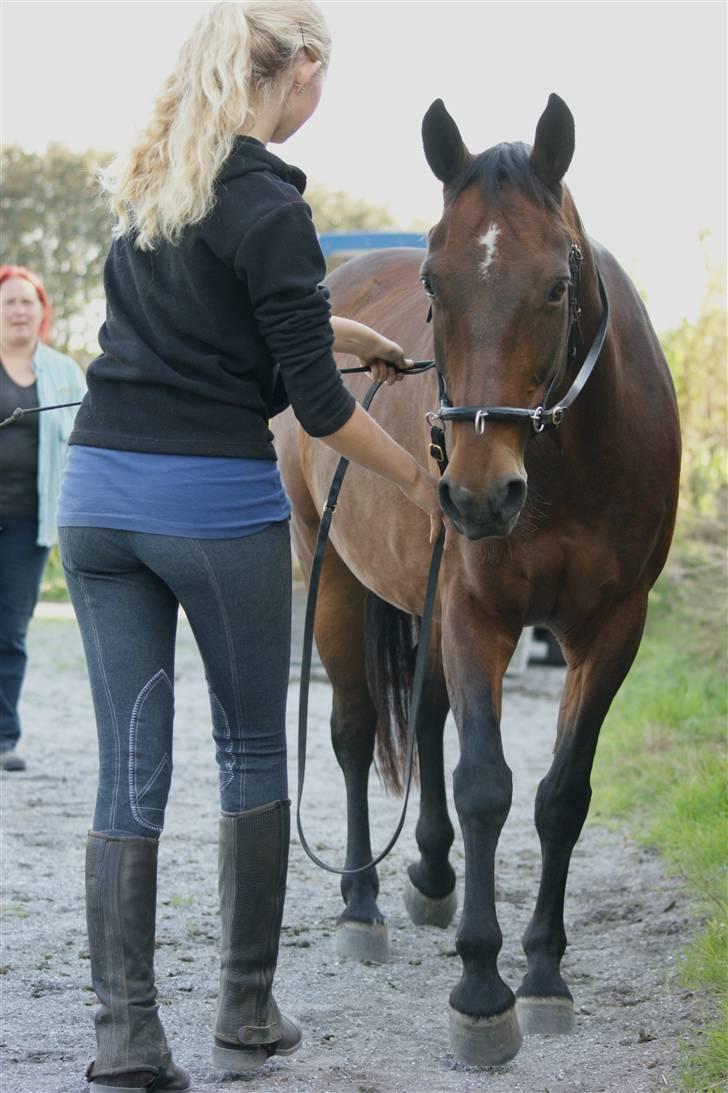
(502, 168)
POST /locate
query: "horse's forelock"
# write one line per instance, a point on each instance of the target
(502, 169)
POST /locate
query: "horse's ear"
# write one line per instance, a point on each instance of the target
(444, 148)
(554, 144)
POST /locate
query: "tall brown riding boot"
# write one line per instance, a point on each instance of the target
(121, 899)
(253, 863)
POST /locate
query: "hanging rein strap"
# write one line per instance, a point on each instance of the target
(420, 664)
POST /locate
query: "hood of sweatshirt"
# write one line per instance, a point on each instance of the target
(249, 155)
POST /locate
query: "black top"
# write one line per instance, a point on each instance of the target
(18, 449)
(206, 340)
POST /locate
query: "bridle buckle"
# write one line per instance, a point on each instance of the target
(537, 420)
(479, 422)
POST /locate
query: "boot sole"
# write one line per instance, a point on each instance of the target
(239, 1062)
(248, 1060)
(94, 1087)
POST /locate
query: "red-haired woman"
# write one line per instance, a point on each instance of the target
(32, 454)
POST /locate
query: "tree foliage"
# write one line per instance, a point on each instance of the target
(696, 353)
(335, 210)
(55, 222)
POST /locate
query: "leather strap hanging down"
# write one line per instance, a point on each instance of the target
(420, 664)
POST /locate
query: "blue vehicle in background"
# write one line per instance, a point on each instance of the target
(334, 243)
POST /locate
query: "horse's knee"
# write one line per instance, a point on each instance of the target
(483, 792)
(561, 808)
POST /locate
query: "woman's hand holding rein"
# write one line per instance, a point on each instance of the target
(376, 353)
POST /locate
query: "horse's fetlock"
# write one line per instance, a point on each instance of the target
(434, 878)
(362, 888)
(542, 941)
(434, 839)
(479, 951)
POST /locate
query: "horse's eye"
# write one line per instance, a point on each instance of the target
(558, 291)
(427, 285)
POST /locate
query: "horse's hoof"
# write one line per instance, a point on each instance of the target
(426, 911)
(546, 1016)
(362, 941)
(485, 1041)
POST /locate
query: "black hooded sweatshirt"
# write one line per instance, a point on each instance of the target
(204, 341)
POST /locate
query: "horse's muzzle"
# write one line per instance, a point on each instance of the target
(481, 516)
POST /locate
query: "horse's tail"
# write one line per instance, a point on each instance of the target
(391, 651)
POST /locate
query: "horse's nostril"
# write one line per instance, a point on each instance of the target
(446, 502)
(514, 496)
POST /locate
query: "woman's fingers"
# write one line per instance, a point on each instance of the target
(389, 372)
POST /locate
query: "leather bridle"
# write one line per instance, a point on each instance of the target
(542, 417)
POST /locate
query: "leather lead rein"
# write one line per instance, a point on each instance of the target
(420, 663)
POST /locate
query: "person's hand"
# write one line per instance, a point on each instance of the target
(423, 492)
(379, 355)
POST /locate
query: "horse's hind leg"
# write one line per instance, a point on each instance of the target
(430, 894)
(602, 659)
(340, 637)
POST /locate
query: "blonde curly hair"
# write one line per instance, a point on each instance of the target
(233, 60)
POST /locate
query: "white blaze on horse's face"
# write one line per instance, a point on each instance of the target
(489, 241)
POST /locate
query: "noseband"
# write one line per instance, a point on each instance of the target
(542, 417)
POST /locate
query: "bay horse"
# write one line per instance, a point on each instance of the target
(567, 528)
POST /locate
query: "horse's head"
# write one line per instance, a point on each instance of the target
(497, 271)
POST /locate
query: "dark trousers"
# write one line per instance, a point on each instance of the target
(21, 569)
(126, 589)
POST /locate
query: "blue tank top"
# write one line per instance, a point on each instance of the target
(191, 496)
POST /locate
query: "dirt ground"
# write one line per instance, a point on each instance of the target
(368, 1028)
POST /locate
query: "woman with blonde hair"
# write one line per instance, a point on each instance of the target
(216, 320)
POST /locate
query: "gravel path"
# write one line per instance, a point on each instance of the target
(368, 1029)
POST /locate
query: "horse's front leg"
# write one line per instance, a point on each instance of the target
(430, 893)
(484, 1029)
(599, 659)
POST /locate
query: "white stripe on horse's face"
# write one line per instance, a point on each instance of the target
(489, 241)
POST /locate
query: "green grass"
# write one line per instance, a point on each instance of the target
(15, 909)
(180, 901)
(53, 586)
(662, 767)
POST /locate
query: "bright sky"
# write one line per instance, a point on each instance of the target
(646, 82)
